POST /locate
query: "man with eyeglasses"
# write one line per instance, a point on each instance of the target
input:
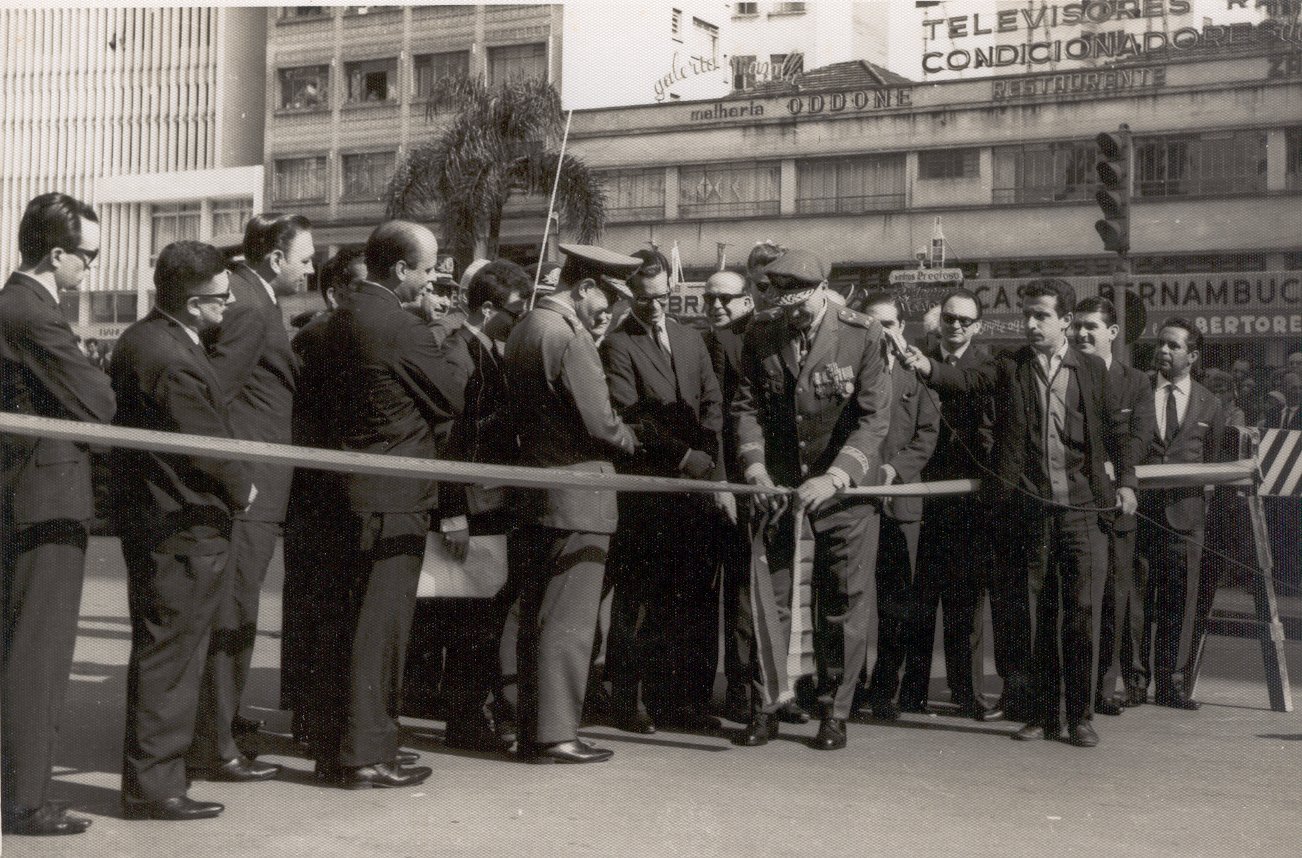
(174, 513)
(663, 645)
(45, 503)
(953, 557)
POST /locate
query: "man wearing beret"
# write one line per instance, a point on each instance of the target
(812, 408)
(558, 555)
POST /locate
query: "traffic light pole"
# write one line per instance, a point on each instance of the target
(1120, 280)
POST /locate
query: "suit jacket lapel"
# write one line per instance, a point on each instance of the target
(1195, 412)
(678, 344)
(646, 341)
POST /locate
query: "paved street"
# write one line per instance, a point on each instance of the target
(1223, 781)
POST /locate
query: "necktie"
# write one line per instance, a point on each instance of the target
(951, 360)
(1172, 416)
(662, 337)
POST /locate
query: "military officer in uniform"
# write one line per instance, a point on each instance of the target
(558, 555)
(812, 408)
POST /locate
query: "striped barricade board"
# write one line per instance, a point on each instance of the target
(1280, 459)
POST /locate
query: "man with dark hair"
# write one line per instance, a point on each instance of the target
(562, 406)
(1057, 423)
(174, 514)
(45, 503)
(482, 429)
(391, 391)
(1189, 427)
(253, 362)
(1119, 597)
(664, 630)
(909, 443)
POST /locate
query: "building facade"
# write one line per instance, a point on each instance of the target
(152, 115)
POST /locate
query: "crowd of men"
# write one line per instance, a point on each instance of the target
(1095, 589)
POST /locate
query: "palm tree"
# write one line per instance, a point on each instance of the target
(498, 144)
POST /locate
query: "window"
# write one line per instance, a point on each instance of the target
(231, 216)
(1293, 159)
(676, 25)
(948, 164)
(785, 66)
(290, 13)
(431, 68)
(516, 61)
(372, 81)
(743, 72)
(747, 9)
(1044, 172)
(719, 190)
(108, 308)
(850, 185)
(367, 174)
(1231, 162)
(174, 222)
(708, 34)
(788, 8)
(370, 10)
(635, 195)
(300, 179)
(305, 88)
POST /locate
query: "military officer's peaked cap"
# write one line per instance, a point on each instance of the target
(794, 276)
(546, 274)
(605, 266)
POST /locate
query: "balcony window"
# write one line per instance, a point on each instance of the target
(722, 190)
(294, 13)
(305, 88)
(366, 175)
(173, 222)
(949, 164)
(372, 81)
(1220, 163)
(788, 8)
(743, 72)
(231, 216)
(850, 185)
(1044, 172)
(300, 179)
(635, 195)
(747, 8)
(431, 68)
(511, 62)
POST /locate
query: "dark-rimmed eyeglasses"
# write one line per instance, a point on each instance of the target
(648, 300)
(961, 321)
(86, 255)
(223, 297)
(723, 299)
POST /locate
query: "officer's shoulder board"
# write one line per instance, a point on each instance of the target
(858, 320)
(765, 316)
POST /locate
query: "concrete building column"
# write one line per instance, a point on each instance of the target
(1276, 159)
(787, 188)
(671, 193)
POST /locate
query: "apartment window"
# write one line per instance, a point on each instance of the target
(1221, 163)
(718, 190)
(1044, 172)
(367, 174)
(109, 308)
(747, 9)
(372, 81)
(633, 195)
(300, 179)
(174, 222)
(788, 8)
(305, 88)
(709, 36)
(1293, 159)
(231, 216)
(431, 68)
(516, 61)
(676, 25)
(370, 10)
(948, 164)
(850, 185)
(743, 72)
(290, 13)
(785, 66)
(70, 306)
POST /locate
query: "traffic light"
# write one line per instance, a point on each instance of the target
(1113, 195)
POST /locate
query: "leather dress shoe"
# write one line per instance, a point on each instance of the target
(762, 727)
(178, 808)
(237, 770)
(241, 726)
(405, 758)
(1082, 735)
(885, 710)
(914, 707)
(791, 713)
(1035, 732)
(1107, 706)
(979, 711)
(1136, 695)
(573, 752)
(690, 720)
(48, 820)
(380, 775)
(1174, 698)
(475, 737)
(634, 721)
(831, 735)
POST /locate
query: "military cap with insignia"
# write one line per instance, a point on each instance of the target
(607, 268)
(794, 276)
(545, 274)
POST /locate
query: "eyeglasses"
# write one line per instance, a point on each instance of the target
(961, 321)
(223, 297)
(86, 256)
(722, 299)
(648, 300)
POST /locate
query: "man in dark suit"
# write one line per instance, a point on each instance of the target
(664, 631)
(1120, 595)
(910, 441)
(811, 412)
(45, 503)
(954, 555)
(174, 515)
(1057, 424)
(392, 390)
(256, 367)
(483, 430)
(1189, 427)
(562, 406)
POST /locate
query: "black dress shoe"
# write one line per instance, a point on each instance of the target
(914, 707)
(1035, 732)
(176, 809)
(1174, 698)
(762, 727)
(1082, 735)
(1136, 695)
(1107, 706)
(635, 721)
(237, 770)
(791, 713)
(831, 735)
(885, 710)
(979, 711)
(48, 820)
(380, 775)
(690, 720)
(573, 752)
(405, 758)
(241, 726)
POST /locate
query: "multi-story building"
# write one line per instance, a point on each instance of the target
(770, 41)
(152, 115)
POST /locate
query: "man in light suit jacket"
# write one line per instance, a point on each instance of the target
(1189, 428)
(910, 441)
(253, 361)
(45, 503)
(662, 652)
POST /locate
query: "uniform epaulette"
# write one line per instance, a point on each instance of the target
(769, 315)
(850, 317)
